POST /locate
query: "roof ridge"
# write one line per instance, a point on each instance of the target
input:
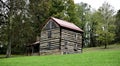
(64, 20)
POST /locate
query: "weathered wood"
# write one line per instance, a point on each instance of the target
(56, 39)
(60, 39)
(72, 40)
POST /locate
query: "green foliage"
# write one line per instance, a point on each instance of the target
(64, 9)
(71, 13)
(22, 20)
(17, 29)
(39, 11)
(83, 13)
(57, 8)
(3, 23)
(92, 22)
(26, 19)
(43, 9)
(117, 23)
(21, 30)
(105, 27)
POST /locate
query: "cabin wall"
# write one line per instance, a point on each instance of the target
(50, 45)
(71, 42)
(50, 38)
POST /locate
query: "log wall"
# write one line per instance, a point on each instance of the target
(50, 45)
(71, 42)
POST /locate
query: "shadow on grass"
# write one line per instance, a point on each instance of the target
(2, 56)
(12, 56)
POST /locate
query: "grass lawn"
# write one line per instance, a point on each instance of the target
(90, 57)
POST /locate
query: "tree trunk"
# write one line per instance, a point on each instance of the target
(106, 42)
(9, 27)
(8, 52)
(105, 45)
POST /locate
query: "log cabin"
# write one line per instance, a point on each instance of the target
(58, 37)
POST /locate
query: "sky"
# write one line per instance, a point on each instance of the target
(97, 3)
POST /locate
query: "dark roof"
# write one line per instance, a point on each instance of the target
(66, 24)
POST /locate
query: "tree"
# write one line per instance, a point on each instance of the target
(6, 32)
(25, 19)
(58, 9)
(117, 23)
(83, 16)
(3, 23)
(63, 9)
(106, 27)
(17, 20)
(42, 9)
(96, 18)
(3, 18)
(71, 11)
(22, 32)
(39, 11)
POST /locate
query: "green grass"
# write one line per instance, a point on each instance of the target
(90, 57)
